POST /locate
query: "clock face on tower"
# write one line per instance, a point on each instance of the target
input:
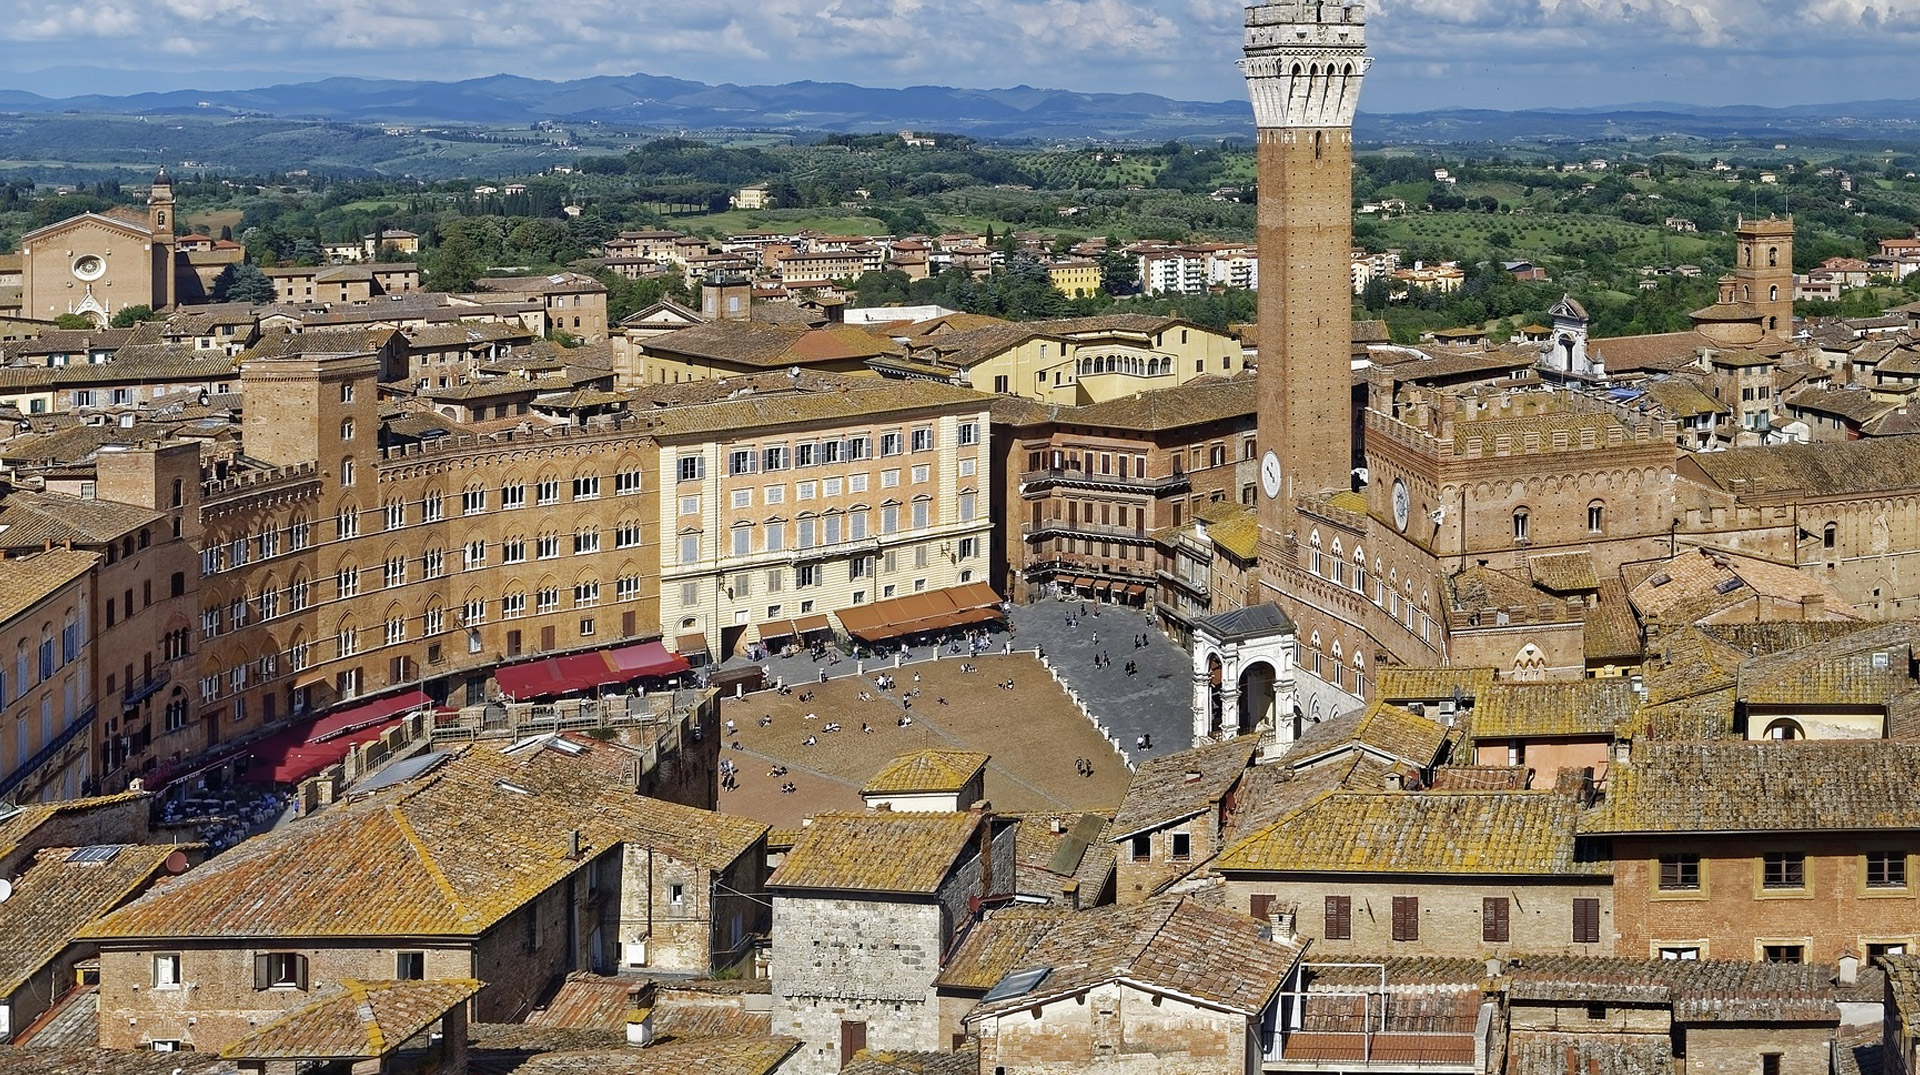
(1402, 503)
(1270, 475)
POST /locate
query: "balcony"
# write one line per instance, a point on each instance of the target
(137, 693)
(1353, 1017)
(48, 754)
(1052, 528)
(1040, 481)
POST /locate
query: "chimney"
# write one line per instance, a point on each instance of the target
(1396, 782)
(1622, 751)
(1281, 921)
(1495, 967)
(573, 844)
(1849, 968)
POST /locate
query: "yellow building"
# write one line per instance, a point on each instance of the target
(1071, 362)
(46, 707)
(1078, 278)
(783, 511)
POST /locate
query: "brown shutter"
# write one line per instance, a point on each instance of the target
(300, 972)
(853, 1038)
(1586, 921)
(1261, 906)
(1493, 919)
(1406, 918)
(260, 978)
(1339, 918)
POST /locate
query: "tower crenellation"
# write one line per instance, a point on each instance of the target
(1304, 63)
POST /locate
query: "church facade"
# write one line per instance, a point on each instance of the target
(97, 264)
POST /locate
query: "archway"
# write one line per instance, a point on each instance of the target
(1256, 694)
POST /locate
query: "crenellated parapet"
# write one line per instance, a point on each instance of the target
(1304, 63)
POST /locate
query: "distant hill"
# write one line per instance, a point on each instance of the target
(1018, 112)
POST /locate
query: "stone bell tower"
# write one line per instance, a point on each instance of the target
(1304, 64)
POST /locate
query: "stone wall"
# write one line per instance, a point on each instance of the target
(1118, 1028)
(1539, 914)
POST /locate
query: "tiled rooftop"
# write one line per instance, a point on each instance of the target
(1177, 786)
(1806, 786)
(908, 853)
(927, 771)
(1478, 833)
(355, 1020)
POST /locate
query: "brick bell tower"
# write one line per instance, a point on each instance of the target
(1304, 64)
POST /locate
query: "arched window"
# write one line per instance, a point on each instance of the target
(1359, 570)
(1773, 257)
(1313, 552)
(1521, 518)
(1784, 729)
(1315, 646)
(1339, 669)
(1339, 563)
(1773, 293)
(1596, 517)
(1359, 674)
(1830, 535)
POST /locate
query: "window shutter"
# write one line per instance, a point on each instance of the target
(1339, 918)
(1406, 918)
(1261, 907)
(1586, 921)
(300, 971)
(1493, 919)
(261, 979)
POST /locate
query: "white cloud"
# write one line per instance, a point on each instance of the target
(1604, 50)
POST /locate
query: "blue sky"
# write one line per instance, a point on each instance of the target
(1429, 53)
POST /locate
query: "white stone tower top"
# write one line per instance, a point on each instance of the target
(1304, 62)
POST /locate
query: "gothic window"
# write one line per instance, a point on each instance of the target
(1773, 257)
(1313, 553)
(1520, 521)
(1596, 517)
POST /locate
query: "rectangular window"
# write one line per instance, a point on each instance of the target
(1493, 919)
(806, 454)
(587, 488)
(166, 970)
(410, 966)
(922, 473)
(921, 512)
(1679, 873)
(969, 433)
(546, 546)
(513, 606)
(279, 970)
(1406, 918)
(1783, 870)
(743, 541)
(626, 483)
(586, 594)
(692, 467)
(1586, 921)
(1783, 953)
(1886, 869)
(1182, 846)
(1339, 921)
(742, 498)
(859, 448)
(689, 505)
(772, 459)
(740, 461)
(1142, 848)
(805, 490)
(689, 548)
(776, 537)
(923, 440)
(890, 444)
(890, 479)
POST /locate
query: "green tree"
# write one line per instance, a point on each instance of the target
(1119, 271)
(453, 264)
(130, 316)
(73, 321)
(243, 283)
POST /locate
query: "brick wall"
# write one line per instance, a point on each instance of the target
(1731, 914)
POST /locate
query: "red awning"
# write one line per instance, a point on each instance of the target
(585, 671)
(334, 725)
(535, 679)
(287, 758)
(646, 659)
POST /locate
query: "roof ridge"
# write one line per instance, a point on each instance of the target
(427, 860)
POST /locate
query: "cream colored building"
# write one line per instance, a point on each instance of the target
(46, 703)
(780, 509)
(1077, 278)
(1072, 362)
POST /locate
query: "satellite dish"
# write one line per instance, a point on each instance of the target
(6, 890)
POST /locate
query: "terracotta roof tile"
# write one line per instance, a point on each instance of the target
(356, 1020)
(1474, 833)
(1812, 786)
(995, 948)
(1699, 991)
(1387, 732)
(28, 580)
(1172, 944)
(1577, 707)
(58, 895)
(1177, 786)
(927, 771)
(883, 852)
